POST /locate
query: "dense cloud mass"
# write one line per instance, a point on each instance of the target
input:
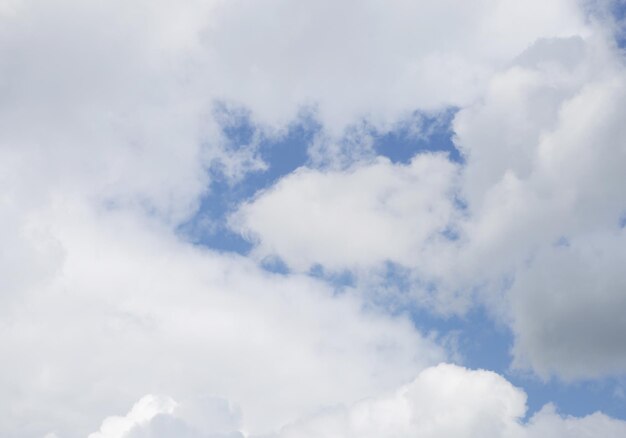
(132, 310)
(116, 128)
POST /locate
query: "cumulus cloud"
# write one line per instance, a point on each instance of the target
(162, 417)
(547, 180)
(447, 401)
(376, 211)
(442, 401)
(141, 413)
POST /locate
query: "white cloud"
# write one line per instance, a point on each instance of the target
(133, 310)
(162, 417)
(552, 176)
(377, 60)
(450, 401)
(547, 423)
(345, 219)
(95, 104)
(141, 413)
(441, 402)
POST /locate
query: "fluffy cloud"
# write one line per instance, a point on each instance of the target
(131, 309)
(95, 105)
(550, 178)
(450, 401)
(142, 412)
(443, 401)
(373, 212)
(377, 60)
(162, 417)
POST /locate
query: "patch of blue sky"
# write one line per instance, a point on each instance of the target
(562, 242)
(420, 133)
(275, 265)
(339, 280)
(474, 337)
(482, 343)
(619, 12)
(478, 341)
(283, 154)
(616, 8)
(576, 399)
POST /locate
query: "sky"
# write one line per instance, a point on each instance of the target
(312, 219)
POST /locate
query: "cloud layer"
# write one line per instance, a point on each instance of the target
(112, 134)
